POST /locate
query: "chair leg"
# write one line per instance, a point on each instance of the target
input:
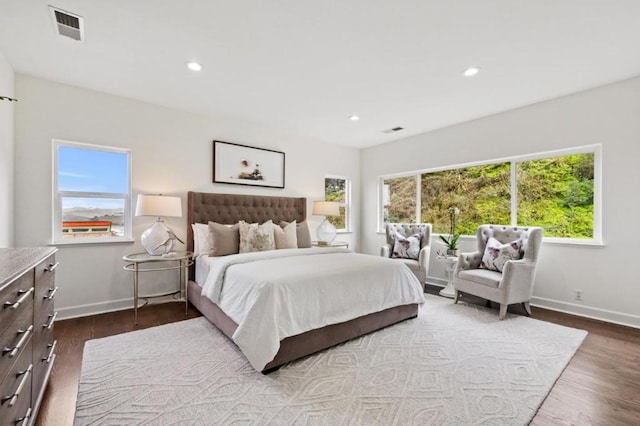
(456, 297)
(527, 308)
(503, 311)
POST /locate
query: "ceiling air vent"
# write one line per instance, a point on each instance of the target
(393, 130)
(67, 24)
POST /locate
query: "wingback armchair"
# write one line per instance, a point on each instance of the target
(419, 266)
(515, 283)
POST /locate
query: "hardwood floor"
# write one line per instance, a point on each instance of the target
(600, 386)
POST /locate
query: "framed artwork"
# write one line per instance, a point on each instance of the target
(247, 165)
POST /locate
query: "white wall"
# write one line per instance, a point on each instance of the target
(171, 153)
(6, 154)
(608, 115)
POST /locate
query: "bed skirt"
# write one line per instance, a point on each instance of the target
(309, 342)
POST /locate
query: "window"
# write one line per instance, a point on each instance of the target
(557, 194)
(399, 201)
(91, 193)
(481, 193)
(338, 189)
(557, 191)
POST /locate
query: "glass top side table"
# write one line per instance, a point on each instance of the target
(143, 262)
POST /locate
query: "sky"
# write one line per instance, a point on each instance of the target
(89, 170)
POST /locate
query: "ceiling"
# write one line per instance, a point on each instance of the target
(306, 66)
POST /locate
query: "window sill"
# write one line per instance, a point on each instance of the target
(91, 243)
(573, 242)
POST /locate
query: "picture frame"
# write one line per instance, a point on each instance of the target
(247, 165)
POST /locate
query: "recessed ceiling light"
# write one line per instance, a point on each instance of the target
(354, 118)
(194, 66)
(471, 71)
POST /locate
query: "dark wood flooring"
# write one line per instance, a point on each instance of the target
(600, 386)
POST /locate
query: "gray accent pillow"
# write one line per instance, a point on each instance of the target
(223, 239)
(302, 233)
(286, 237)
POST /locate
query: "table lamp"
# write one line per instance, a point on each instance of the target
(158, 239)
(326, 231)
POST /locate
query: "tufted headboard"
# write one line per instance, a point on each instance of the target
(228, 209)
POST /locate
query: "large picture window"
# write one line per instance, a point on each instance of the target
(481, 193)
(338, 189)
(399, 201)
(91, 193)
(558, 191)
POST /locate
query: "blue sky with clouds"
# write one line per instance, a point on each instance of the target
(89, 170)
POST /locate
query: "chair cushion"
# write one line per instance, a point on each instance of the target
(412, 264)
(497, 254)
(406, 247)
(481, 276)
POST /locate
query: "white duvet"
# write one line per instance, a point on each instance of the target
(280, 293)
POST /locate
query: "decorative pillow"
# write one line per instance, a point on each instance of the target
(201, 243)
(302, 234)
(254, 237)
(223, 239)
(406, 247)
(286, 237)
(497, 254)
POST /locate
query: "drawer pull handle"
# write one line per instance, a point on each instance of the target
(53, 319)
(53, 348)
(25, 335)
(21, 299)
(52, 293)
(25, 376)
(52, 267)
(24, 420)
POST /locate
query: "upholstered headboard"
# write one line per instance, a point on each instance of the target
(203, 207)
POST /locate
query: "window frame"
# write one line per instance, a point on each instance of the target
(346, 204)
(595, 149)
(57, 197)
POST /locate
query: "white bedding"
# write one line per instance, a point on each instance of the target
(280, 293)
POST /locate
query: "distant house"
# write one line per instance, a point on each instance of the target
(97, 228)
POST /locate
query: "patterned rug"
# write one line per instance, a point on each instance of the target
(453, 365)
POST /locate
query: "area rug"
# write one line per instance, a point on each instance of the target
(453, 365)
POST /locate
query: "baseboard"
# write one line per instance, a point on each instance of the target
(438, 282)
(599, 314)
(614, 317)
(94, 309)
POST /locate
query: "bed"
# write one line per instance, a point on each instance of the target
(229, 209)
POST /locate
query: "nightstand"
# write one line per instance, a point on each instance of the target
(332, 244)
(177, 260)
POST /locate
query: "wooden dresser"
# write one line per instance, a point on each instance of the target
(27, 290)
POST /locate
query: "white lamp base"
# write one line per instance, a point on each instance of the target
(326, 232)
(157, 240)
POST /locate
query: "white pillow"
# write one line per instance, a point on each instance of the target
(254, 237)
(201, 243)
(406, 247)
(286, 237)
(497, 254)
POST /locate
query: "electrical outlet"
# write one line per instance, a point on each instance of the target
(578, 294)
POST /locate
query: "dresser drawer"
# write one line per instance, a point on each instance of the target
(43, 345)
(14, 297)
(15, 391)
(16, 335)
(45, 270)
(45, 294)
